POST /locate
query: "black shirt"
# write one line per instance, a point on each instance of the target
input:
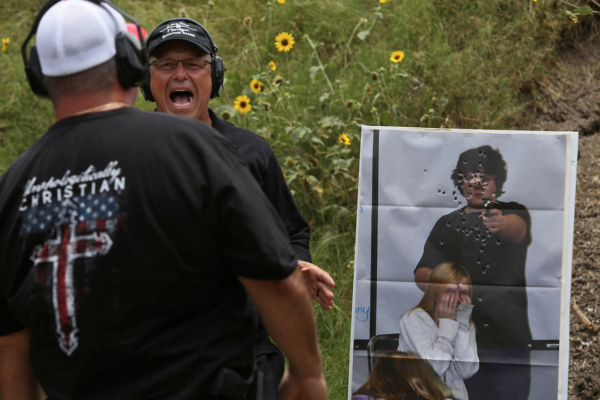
(122, 236)
(266, 170)
(497, 270)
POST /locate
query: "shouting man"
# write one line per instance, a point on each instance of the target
(185, 73)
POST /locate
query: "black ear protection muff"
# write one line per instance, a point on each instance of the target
(217, 69)
(131, 55)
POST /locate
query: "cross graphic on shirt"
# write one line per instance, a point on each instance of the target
(62, 251)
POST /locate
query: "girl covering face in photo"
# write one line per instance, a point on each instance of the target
(439, 329)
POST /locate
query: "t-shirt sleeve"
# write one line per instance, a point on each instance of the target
(251, 233)
(521, 211)
(280, 196)
(8, 323)
(434, 252)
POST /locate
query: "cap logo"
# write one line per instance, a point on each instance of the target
(178, 28)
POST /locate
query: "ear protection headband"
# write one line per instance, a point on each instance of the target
(131, 57)
(217, 70)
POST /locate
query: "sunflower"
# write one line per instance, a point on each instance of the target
(256, 86)
(284, 42)
(397, 56)
(281, 1)
(344, 139)
(5, 43)
(242, 104)
(272, 65)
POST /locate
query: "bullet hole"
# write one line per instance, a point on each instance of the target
(479, 261)
(480, 298)
(477, 236)
(441, 242)
(465, 161)
(476, 226)
(460, 173)
(457, 228)
(470, 186)
(488, 265)
(444, 193)
(469, 196)
(486, 324)
(449, 223)
(484, 154)
(425, 170)
(481, 249)
(489, 234)
(439, 191)
(480, 164)
(462, 212)
(470, 230)
(480, 153)
(454, 193)
(455, 198)
(483, 271)
(464, 221)
(460, 203)
(498, 241)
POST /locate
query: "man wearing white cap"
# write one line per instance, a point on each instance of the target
(128, 238)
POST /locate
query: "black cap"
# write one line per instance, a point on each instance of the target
(181, 29)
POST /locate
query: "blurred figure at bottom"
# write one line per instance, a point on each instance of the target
(402, 376)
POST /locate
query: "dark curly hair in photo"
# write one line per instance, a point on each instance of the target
(483, 159)
(399, 375)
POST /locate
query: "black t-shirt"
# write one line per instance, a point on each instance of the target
(122, 236)
(266, 170)
(497, 270)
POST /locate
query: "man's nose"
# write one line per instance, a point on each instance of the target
(180, 73)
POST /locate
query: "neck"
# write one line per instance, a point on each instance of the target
(206, 118)
(83, 103)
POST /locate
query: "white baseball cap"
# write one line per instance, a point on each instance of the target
(76, 35)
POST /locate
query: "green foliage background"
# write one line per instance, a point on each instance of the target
(467, 64)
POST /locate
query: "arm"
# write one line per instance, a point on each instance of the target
(510, 227)
(318, 283)
(286, 312)
(422, 277)
(418, 336)
(17, 380)
(466, 362)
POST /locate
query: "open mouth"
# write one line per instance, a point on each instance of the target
(181, 98)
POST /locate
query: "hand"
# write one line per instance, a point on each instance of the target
(464, 298)
(446, 306)
(318, 283)
(494, 221)
(295, 388)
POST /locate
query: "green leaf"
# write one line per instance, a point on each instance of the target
(313, 71)
(299, 133)
(362, 35)
(331, 122)
(342, 212)
(585, 10)
(316, 140)
(324, 97)
(367, 70)
(380, 15)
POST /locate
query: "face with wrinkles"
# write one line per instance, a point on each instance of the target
(182, 91)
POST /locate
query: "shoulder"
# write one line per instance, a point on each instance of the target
(243, 139)
(416, 315)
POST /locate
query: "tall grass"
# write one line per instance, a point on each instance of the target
(466, 65)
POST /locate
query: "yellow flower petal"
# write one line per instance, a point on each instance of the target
(284, 42)
(272, 65)
(397, 56)
(256, 86)
(242, 104)
(344, 139)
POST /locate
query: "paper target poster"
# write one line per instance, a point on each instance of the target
(488, 217)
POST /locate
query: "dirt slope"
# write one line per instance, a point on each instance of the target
(573, 104)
